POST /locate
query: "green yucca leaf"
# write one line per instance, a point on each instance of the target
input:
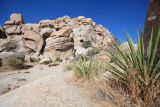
(132, 49)
(154, 47)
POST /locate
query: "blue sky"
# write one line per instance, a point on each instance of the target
(117, 15)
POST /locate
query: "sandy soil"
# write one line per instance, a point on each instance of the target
(44, 87)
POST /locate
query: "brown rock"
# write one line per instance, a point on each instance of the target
(33, 41)
(33, 27)
(17, 18)
(46, 32)
(12, 43)
(64, 32)
(80, 18)
(45, 23)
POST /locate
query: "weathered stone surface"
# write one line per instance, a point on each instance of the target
(53, 37)
(32, 27)
(14, 25)
(46, 32)
(73, 23)
(80, 50)
(46, 60)
(45, 23)
(14, 44)
(9, 22)
(12, 58)
(33, 41)
(14, 29)
(66, 18)
(64, 32)
(17, 18)
(98, 36)
(87, 21)
(80, 18)
(15, 60)
(59, 43)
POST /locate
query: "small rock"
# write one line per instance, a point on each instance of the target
(58, 59)
(45, 60)
(53, 64)
(46, 32)
(34, 59)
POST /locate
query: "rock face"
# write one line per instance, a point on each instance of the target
(33, 41)
(52, 38)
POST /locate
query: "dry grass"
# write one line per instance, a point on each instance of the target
(114, 93)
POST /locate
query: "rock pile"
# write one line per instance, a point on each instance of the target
(54, 38)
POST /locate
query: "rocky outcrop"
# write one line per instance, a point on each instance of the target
(53, 38)
(14, 25)
(33, 41)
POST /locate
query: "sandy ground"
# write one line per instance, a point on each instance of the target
(44, 87)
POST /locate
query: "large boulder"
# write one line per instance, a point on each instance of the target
(17, 18)
(33, 41)
(14, 25)
(46, 23)
(13, 29)
(32, 27)
(12, 59)
(64, 32)
(61, 43)
(46, 32)
(14, 44)
(16, 60)
(98, 36)
(80, 50)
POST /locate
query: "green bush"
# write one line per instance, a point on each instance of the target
(88, 69)
(15, 62)
(87, 44)
(139, 71)
(92, 51)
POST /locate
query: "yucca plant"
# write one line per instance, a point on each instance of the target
(138, 69)
(88, 69)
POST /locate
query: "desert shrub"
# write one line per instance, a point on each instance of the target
(88, 68)
(137, 69)
(86, 44)
(15, 62)
(92, 51)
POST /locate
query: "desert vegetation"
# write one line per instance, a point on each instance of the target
(135, 76)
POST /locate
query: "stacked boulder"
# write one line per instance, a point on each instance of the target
(52, 38)
(32, 39)
(14, 25)
(13, 34)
